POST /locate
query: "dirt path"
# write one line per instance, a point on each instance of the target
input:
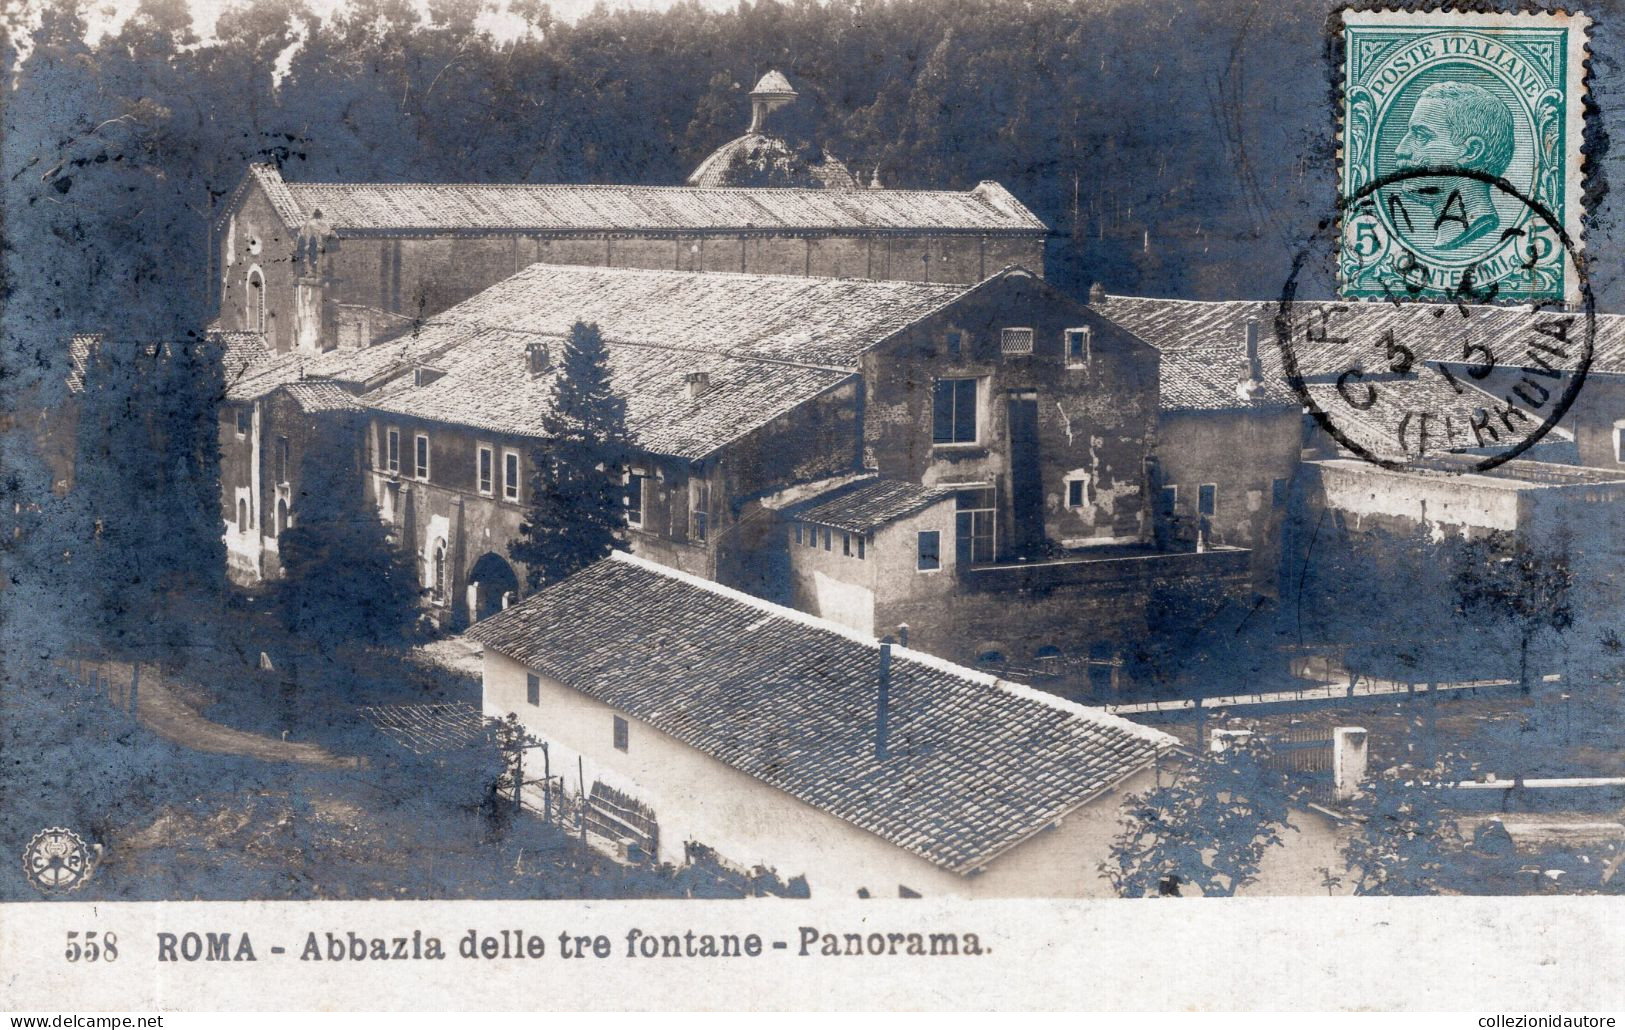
(163, 711)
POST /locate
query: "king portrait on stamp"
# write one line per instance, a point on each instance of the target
(1458, 129)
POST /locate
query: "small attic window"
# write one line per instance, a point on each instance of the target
(698, 384)
(537, 358)
(1016, 340)
(424, 375)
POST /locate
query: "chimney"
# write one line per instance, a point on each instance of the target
(902, 634)
(1249, 387)
(699, 383)
(883, 700)
(1348, 761)
(1097, 294)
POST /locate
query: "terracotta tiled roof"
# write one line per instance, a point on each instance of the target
(868, 506)
(1210, 382)
(976, 765)
(1216, 327)
(767, 342)
(1205, 340)
(321, 395)
(386, 208)
(487, 385)
(789, 318)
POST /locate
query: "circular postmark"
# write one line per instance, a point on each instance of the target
(57, 860)
(1433, 365)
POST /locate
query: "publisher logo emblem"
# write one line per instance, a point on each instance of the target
(57, 861)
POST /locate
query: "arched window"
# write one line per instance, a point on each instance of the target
(281, 517)
(991, 661)
(256, 300)
(242, 516)
(439, 571)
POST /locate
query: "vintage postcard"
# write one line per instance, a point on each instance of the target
(902, 504)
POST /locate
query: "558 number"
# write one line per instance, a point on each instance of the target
(91, 949)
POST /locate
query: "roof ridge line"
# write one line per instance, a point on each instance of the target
(776, 190)
(931, 661)
(671, 347)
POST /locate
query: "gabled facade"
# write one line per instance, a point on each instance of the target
(324, 266)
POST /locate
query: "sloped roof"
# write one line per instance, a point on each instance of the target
(790, 318)
(322, 395)
(768, 343)
(1191, 382)
(773, 82)
(1205, 340)
(1216, 327)
(868, 506)
(414, 208)
(487, 385)
(977, 765)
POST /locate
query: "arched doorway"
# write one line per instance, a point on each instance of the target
(492, 586)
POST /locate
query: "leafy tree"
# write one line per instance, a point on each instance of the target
(1520, 585)
(1208, 827)
(344, 580)
(1404, 841)
(576, 509)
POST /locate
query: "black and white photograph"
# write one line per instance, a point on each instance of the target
(810, 490)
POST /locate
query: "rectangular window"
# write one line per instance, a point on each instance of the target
(1075, 493)
(510, 475)
(812, 536)
(485, 471)
(1619, 442)
(826, 538)
(929, 551)
(699, 504)
(245, 421)
(975, 524)
(956, 343)
(421, 468)
(1169, 499)
(634, 499)
(861, 548)
(392, 450)
(533, 688)
(1207, 498)
(846, 544)
(1015, 341)
(621, 734)
(953, 411)
(1278, 493)
(797, 530)
(281, 459)
(1077, 348)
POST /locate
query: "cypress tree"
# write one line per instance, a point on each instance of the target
(576, 509)
(343, 581)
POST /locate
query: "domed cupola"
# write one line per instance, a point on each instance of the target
(764, 156)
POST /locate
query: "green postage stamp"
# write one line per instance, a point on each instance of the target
(1461, 164)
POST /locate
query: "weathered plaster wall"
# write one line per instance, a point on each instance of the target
(1242, 453)
(1096, 420)
(696, 798)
